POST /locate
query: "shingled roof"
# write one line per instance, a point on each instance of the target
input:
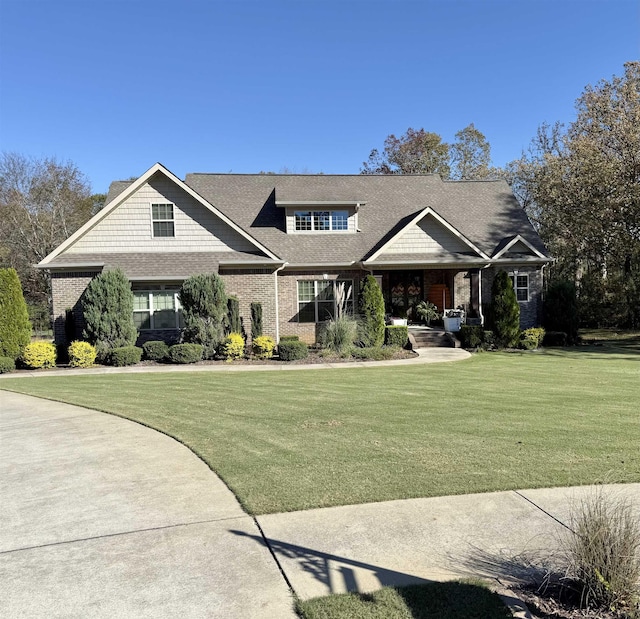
(485, 212)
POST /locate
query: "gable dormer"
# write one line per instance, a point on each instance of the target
(320, 217)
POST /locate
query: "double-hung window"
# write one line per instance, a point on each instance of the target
(317, 299)
(157, 309)
(162, 220)
(321, 221)
(521, 286)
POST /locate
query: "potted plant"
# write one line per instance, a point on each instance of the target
(453, 319)
(426, 312)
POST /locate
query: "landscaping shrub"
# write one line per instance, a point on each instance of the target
(69, 326)
(81, 354)
(604, 553)
(256, 320)
(535, 334)
(233, 347)
(504, 311)
(555, 338)
(7, 364)
(339, 334)
(396, 335)
(375, 353)
(204, 307)
(107, 306)
(290, 338)
(290, 350)
(15, 328)
(528, 343)
(371, 313)
(233, 307)
(561, 309)
(155, 350)
(39, 355)
(471, 336)
(185, 353)
(124, 355)
(263, 346)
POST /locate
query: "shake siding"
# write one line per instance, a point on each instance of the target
(129, 227)
(427, 236)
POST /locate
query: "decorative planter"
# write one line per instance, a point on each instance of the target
(452, 324)
(399, 322)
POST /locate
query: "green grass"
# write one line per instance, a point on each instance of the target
(301, 439)
(448, 600)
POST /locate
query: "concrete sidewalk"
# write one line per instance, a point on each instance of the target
(424, 355)
(102, 517)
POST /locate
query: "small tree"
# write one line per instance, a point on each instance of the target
(371, 324)
(15, 328)
(235, 326)
(204, 306)
(504, 311)
(107, 306)
(256, 320)
(561, 309)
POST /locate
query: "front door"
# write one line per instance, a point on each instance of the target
(405, 291)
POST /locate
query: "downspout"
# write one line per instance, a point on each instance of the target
(480, 293)
(275, 274)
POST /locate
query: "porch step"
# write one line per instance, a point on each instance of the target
(430, 338)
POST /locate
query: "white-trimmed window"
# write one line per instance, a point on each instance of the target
(316, 299)
(162, 220)
(321, 221)
(520, 286)
(158, 308)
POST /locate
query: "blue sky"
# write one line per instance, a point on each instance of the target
(241, 86)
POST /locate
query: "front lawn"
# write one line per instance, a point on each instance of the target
(294, 440)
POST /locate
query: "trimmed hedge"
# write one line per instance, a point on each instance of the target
(291, 350)
(396, 335)
(39, 355)
(233, 347)
(263, 346)
(155, 350)
(185, 353)
(7, 364)
(124, 355)
(471, 336)
(290, 338)
(375, 353)
(81, 354)
(555, 338)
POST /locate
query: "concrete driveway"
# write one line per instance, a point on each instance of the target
(102, 517)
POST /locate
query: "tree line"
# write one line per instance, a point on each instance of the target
(579, 185)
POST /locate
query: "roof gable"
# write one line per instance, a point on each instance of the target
(517, 247)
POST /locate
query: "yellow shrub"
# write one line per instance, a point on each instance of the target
(81, 354)
(263, 347)
(39, 355)
(233, 347)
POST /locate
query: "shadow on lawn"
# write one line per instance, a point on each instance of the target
(594, 349)
(337, 573)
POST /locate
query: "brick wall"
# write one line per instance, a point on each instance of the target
(66, 290)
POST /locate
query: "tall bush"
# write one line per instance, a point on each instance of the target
(107, 306)
(15, 328)
(561, 309)
(256, 320)
(233, 307)
(340, 334)
(371, 309)
(504, 314)
(204, 307)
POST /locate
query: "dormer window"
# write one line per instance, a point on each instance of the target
(162, 219)
(321, 221)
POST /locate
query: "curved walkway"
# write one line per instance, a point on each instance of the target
(102, 517)
(424, 355)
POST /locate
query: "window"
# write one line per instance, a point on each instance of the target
(321, 221)
(521, 286)
(162, 218)
(316, 300)
(157, 309)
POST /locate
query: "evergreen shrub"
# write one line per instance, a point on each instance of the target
(185, 353)
(371, 325)
(155, 350)
(396, 335)
(233, 307)
(291, 350)
(124, 355)
(263, 346)
(555, 338)
(204, 308)
(107, 306)
(504, 314)
(7, 364)
(39, 355)
(233, 347)
(535, 334)
(256, 320)
(81, 354)
(375, 353)
(471, 336)
(15, 328)
(290, 338)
